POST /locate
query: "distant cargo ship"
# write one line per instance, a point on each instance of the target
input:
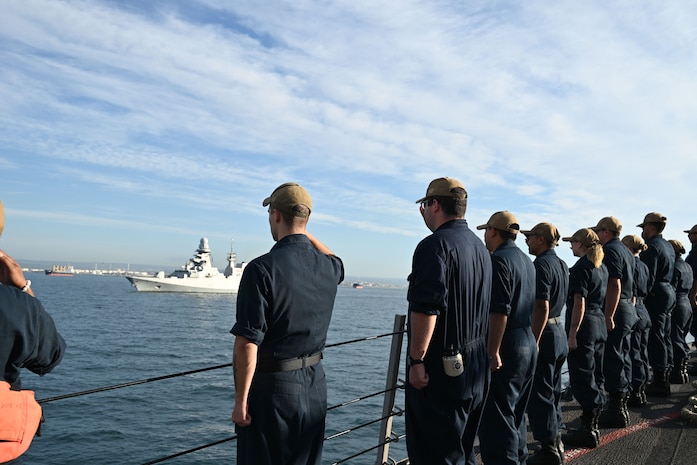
(198, 275)
(61, 270)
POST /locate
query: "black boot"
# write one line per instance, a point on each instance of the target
(660, 386)
(637, 398)
(625, 410)
(588, 435)
(547, 455)
(677, 374)
(560, 447)
(643, 394)
(615, 416)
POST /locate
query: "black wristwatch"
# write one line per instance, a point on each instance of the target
(415, 361)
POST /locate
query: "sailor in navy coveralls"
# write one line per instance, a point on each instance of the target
(639, 352)
(284, 306)
(681, 318)
(28, 335)
(551, 289)
(691, 260)
(449, 290)
(587, 332)
(620, 318)
(660, 259)
(512, 346)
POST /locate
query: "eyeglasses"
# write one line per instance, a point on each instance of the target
(426, 203)
(527, 238)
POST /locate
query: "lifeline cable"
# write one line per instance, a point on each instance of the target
(175, 375)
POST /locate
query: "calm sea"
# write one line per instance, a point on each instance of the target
(116, 335)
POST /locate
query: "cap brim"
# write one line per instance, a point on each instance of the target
(567, 239)
(421, 199)
(482, 226)
(266, 202)
(641, 225)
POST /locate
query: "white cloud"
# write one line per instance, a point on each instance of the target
(564, 109)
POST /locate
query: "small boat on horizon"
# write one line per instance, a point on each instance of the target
(198, 275)
(61, 270)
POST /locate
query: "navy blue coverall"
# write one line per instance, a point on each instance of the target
(552, 285)
(660, 259)
(503, 432)
(620, 264)
(450, 278)
(681, 318)
(284, 305)
(640, 333)
(586, 361)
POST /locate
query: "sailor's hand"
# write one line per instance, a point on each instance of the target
(573, 345)
(240, 415)
(609, 323)
(11, 273)
(495, 361)
(418, 376)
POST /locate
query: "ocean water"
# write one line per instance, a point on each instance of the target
(116, 335)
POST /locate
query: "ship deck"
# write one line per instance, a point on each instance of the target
(657, 434)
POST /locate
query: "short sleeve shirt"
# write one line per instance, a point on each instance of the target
(619, 261)
(660, 259)
(286, 298)
(589, 282)
(552, 281)
(682, 277)
(513, 285)
(451, 278)
(28, 336)
(641, 279)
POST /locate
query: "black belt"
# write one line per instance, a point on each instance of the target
(554, 320)
(289, 364)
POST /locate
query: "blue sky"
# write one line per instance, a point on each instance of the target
(130, 129)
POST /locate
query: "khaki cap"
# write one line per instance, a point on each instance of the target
(653, 217)
(2, 217)
(503, 221)
(634, 243)
(546, 230)
(445, 187)
(610, 223)
(585, 236)
(677, 246)
(692, 230)
(288, 196)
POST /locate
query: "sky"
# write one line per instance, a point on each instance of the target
(131, 129)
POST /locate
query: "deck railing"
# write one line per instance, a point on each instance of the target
(389, 409)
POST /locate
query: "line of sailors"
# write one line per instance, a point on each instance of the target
(629, 308)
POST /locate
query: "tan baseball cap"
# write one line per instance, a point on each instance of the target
(546, 230)
(692, 230)
(634, 243)
(503, 221)
(653, 217)
(677, 246)
(585, 236)
(2, 217)
(444, 187)
(287, 196)
(610, 223)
